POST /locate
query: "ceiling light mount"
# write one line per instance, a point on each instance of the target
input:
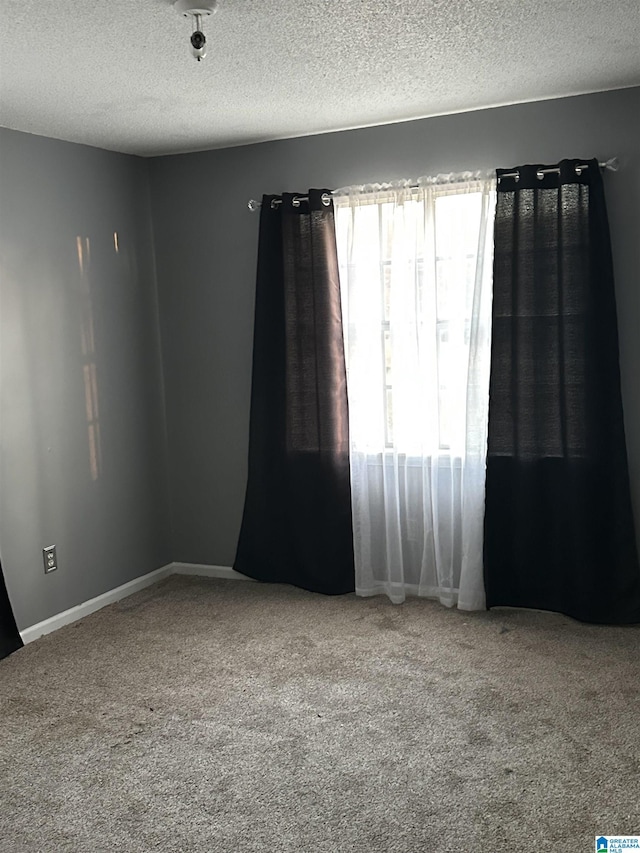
(197, 9)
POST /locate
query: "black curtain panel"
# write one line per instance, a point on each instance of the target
(559, 532)
(10, 640)
(296, 526)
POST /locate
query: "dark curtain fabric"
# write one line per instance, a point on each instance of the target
(10, 640)
(296, 526)
(559, 531)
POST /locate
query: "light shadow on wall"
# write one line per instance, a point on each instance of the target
(87, 332)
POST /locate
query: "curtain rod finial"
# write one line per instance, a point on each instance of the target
(254, 205)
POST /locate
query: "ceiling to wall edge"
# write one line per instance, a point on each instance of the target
(267, 139)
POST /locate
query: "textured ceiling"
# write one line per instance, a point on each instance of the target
(118, 73)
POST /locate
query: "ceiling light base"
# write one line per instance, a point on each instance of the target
(191, 8)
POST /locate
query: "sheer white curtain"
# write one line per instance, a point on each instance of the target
(416, 274)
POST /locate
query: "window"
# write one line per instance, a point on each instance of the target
(409, 262)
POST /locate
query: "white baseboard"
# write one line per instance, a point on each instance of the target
(97, 603)
(82, 610)
(208, 571)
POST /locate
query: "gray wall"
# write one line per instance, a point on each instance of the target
(206, 243)
(78, 327)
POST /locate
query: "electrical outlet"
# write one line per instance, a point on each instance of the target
(50, 559)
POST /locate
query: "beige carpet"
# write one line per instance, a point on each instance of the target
(203, 715)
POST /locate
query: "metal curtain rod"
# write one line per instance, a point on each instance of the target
(611, 164)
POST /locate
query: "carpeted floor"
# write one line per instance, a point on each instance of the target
(203, 715)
